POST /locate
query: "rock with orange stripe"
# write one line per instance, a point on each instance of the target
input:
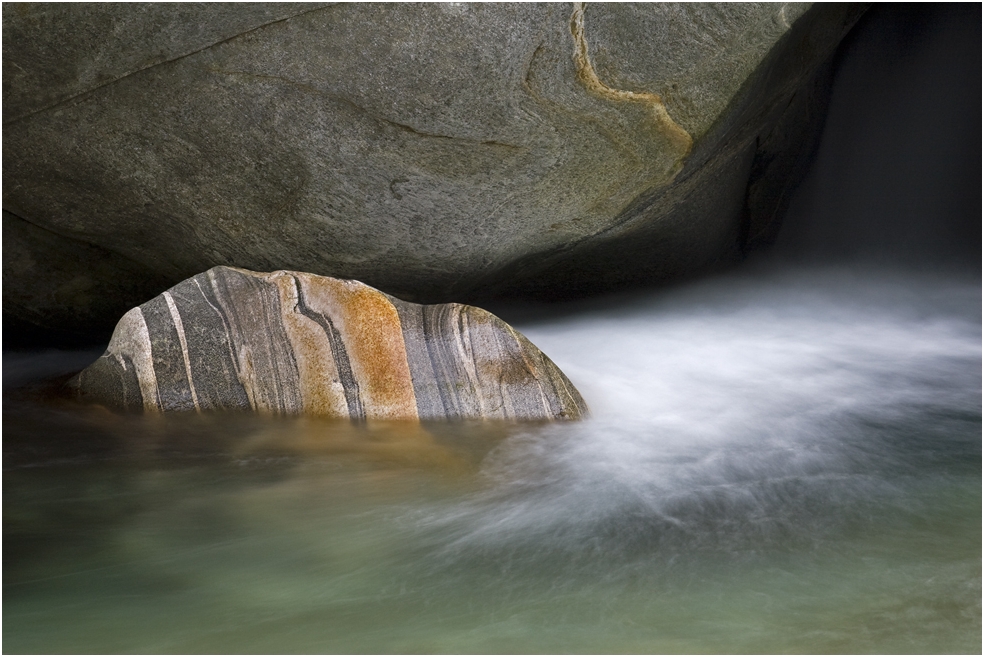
(295, 343)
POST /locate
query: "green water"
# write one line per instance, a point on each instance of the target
(831, 502)
(283, 548)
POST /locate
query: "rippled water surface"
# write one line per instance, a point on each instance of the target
(776, 462)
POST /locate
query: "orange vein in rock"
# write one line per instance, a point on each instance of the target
(679, 137)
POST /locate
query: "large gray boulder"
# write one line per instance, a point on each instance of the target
(438, 152)
(292, 343)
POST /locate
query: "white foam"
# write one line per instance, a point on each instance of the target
(742, 402)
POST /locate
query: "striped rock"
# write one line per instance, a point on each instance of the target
(292, 343)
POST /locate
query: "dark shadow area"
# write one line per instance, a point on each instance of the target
(897, 178)
(50, 280)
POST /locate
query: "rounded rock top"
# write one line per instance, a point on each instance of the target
(293, 343)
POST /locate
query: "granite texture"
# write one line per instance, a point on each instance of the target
(435, 151)
(291, 343)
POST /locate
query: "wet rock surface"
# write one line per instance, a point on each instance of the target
(291, 343)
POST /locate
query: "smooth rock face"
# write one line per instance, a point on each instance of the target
(436, 151)
(295, 343)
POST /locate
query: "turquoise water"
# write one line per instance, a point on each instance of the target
(774, 464)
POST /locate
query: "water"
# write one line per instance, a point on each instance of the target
(778, 461)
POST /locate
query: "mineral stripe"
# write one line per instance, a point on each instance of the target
(679, 137)
(267, 365)
(240, 359)
(458, 395)
(165, 349)
(426, 387)
(179, 325)
(536, 367)
(228, 355)
(484, 364)
(131, 338)
(465, 357)
(213, 368)
(340, 356)
(113, 379)
(430, 315)
(132, 397)
(369, 326)
(322, 392)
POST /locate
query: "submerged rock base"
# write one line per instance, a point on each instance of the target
(295, 343)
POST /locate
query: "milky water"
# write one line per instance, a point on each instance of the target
(777, 461)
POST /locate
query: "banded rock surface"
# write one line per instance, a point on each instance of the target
(295, 343)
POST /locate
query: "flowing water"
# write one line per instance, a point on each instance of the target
(783, 460)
